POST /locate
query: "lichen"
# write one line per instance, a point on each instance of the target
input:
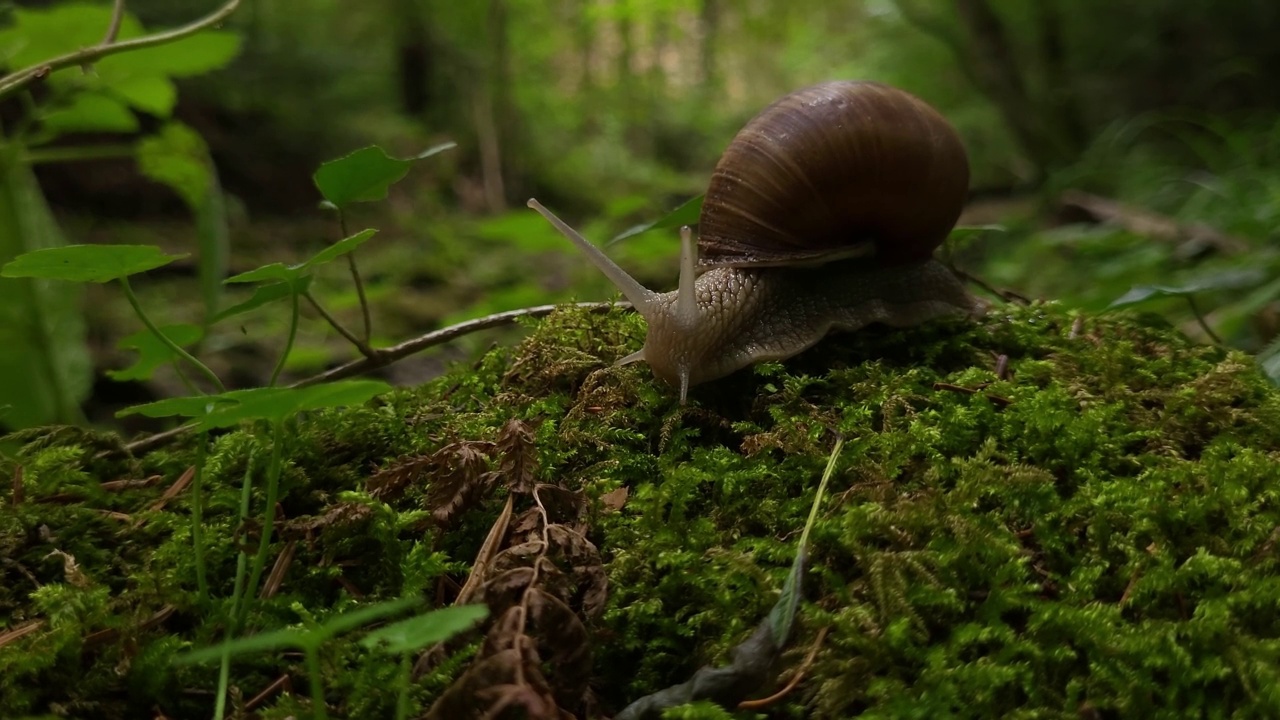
(1091, 531)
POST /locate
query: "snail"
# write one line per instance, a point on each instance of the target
(822, 214)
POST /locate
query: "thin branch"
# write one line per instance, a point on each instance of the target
(390, 355)
(113, 30)
(386, 356)
(19, 79)
(362, 346)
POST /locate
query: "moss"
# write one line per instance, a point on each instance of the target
(1093, 531)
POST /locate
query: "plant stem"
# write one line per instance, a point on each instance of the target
(355, 276)
(318, 709)
(288, 345)
(1204, 325)
(362, 346)
(21, 78)
(402, 688)
(237, 599)
(197, 518)
(137, 308)
(269, 513)
(113, 30)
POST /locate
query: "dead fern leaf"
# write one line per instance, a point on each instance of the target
(459, 478)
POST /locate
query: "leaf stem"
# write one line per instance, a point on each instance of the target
(318, 709)
(142, 315)
(269, 512)
(355, 276)
(113, 30)
(197, 518)
(362, 346)
(288, 345)
(16, 80)
(1204, 325)
(237, 595)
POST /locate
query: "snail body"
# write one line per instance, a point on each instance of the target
(821, 215)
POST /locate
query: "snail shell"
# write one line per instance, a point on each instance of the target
(834, 170)
(821, 215)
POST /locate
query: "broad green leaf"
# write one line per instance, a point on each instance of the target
(178, 157)
(424, 630)
(37, 35)
(264, 294)
(88, 263)
(151, 352)
(45, 368)
(1223, 280)
(279, 403)
(278, 272)
(364, 175)
(299, 637)
(193, 55)
(91, 112)
(274, 640)
(687, 214)
(338, 249)
(151, 94)
(190, 407)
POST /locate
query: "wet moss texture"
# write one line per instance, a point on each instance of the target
(1037, 514)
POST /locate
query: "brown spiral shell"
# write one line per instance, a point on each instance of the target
(830, 167)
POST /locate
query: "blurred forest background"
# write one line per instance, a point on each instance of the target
(1115, 144)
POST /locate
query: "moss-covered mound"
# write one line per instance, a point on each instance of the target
(1035, 515)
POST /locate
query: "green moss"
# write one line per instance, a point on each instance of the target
(1097, 528)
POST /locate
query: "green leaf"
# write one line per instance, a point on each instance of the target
(279, 403)
(353, 619)
(338, 249)
(45, 368)
(365, 175)
(193, 55)
(424, 630)
(1222, 280)
(278, 272)
(687, 214)
(151, 94)
(88, 263)
(91, 112)
(963, 233)
(299, 637)
(783, 613)
(264, 294)
(151, 352)
(39, 34)
(274, 640)
(178, 157)
(190, 407)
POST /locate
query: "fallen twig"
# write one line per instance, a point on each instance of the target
(1189, 237)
